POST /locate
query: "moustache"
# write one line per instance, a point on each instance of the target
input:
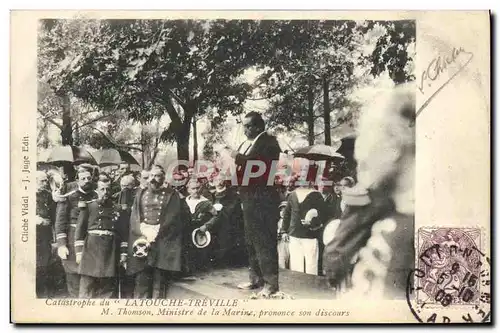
(154, 182)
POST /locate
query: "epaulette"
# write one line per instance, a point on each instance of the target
(356, 196)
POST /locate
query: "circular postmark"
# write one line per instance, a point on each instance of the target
(451, 282)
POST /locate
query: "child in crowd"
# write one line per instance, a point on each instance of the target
(283, 251)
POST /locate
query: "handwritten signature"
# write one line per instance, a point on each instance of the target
(436, 67)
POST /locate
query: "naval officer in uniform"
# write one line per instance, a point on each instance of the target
(97, 238)
(156, 220)
(67, 212)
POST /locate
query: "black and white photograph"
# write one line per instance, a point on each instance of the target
(225, 158)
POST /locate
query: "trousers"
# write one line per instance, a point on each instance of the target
(152, 283)
(73, 284)
(283, 254)
(261, 215)
(304, 255)
(96, 287)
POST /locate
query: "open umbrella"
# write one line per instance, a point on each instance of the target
(113, 156)
(318, 152)
(70, 154)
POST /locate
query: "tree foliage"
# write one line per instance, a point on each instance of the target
(392, 51)
(99, 76)
(181, 68)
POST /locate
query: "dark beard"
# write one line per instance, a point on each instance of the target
(106, 201)
(154, 184)
(87, 187)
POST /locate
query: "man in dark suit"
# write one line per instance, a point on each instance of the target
(68, 210)
(97, 239)
(260, 203)
(157, 218)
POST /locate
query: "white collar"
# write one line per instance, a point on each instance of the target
(248, 144)
(192, 203)
(258, 136)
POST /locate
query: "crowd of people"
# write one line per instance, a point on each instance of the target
(87, 224)
(128, 234)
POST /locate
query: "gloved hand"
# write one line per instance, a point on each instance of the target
(78, 258)
(123, 260)
(42, 221)
(63, 252)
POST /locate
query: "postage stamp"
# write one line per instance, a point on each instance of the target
(451, 282)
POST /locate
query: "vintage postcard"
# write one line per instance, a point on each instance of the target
(250, 167)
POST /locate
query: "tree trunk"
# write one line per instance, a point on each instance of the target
(67, 129)
(326, 111)
(144, 150)
(195, 140)
(310, 117)
(76, 135)
(182, 138)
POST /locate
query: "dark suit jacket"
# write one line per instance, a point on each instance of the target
(166, 251)
(265, 149)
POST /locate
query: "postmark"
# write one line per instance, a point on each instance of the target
(451, 282)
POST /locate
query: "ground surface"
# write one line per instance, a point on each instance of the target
(222, 283)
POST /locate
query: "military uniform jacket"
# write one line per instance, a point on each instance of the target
(45, 207)
(125, 201)
(67, 213)
(99, 238)
(166, 250)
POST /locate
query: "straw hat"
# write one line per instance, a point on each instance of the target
(201, 239)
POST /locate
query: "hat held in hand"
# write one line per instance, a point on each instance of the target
(141, 248)
(201, 239)
(311, 213)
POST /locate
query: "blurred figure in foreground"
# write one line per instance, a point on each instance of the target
(375, 237)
